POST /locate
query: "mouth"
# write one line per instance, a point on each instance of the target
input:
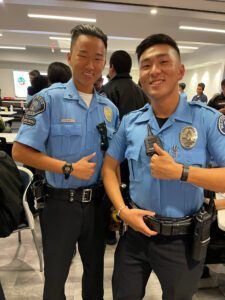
(157, 82)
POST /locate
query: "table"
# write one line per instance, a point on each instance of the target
(10, 137)
(8, 113)
(7, 119)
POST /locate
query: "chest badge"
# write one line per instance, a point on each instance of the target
(221, 124)
(108, 113)
(188, 137)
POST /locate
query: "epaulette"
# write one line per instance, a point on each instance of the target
(202, 105)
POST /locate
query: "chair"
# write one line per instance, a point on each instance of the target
(27, 177)
(3, 144)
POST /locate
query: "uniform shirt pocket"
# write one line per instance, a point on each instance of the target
(193, 158)
(66, 139)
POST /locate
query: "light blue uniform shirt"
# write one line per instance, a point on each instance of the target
(170, 198)
(183, 96)
(59, 123)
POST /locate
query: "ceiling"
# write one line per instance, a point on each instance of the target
(126, 22)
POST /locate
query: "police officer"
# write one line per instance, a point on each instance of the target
(59, 135)
(168, 186)
(218, 102)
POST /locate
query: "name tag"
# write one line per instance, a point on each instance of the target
(67, 120)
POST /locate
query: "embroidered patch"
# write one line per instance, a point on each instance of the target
(29, 121)
(36, 106)
(221, 124)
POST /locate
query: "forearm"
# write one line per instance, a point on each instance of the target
(36, 159)
(210, 179)
(112, 187)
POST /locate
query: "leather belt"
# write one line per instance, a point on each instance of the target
(168, 226)
(84, 195)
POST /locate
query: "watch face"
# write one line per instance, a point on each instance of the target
(67, 169)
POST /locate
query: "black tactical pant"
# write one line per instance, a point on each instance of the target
(64, 225)
(170, 258)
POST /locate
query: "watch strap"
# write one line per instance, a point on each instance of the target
(185, 172)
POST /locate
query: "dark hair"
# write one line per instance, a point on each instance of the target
(87, 29)
(182, 85)
(156, 39)
(34, 73)
(38, 83)
(121, 61)
(59, 72)
(223, 82)
(202, 85)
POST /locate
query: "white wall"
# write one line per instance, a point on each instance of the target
(210, 75)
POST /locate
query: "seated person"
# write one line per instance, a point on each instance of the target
(4, 128)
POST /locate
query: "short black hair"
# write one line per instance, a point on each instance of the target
(59, 72)
(202, 85)
(156, 39)
(38, 83)
(121, 61)
(87, 29)
(34, 73)
(223, 82)
(182, 85)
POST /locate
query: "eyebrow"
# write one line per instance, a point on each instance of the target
(85, 52)
(157, 56)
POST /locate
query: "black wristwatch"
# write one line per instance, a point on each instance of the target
(185, 172)
(67, 169)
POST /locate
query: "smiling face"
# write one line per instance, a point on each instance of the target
(87, 59)
(160, 71)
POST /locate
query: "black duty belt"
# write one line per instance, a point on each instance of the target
(168, 226)
(84, 195)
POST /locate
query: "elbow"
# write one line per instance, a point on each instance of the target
(16, 152)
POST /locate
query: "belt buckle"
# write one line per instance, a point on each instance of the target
(86, 195)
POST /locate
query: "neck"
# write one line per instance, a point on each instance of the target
(164, 108)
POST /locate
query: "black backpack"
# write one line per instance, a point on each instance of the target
(11, 193)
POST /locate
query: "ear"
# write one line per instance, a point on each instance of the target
(69, 58)
(181, 71)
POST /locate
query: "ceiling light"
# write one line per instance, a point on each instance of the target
(188, 47)
(202, 29)
(153, 11)
(65, 18)
(0, 33)
(64, 50)
(59, 38)
(13, 47)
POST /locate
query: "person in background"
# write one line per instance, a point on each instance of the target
(59, 135)
(200, 95)
(58, 72)
(168, 145)
(38, 83)
(218, 102)
(182, 93)
(98, 84)
(33, 74)
(3, 128)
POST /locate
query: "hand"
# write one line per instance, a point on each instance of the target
(83, 169)
(163, 165)
(134, 218)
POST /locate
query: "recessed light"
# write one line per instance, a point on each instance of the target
(64, 50)
(188, 47)
(63, 18)
(153, 11)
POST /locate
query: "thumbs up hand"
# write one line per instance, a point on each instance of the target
(83, 168)
(163, 165)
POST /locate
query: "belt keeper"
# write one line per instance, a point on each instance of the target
(120, 209)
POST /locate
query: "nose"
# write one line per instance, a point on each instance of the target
(155, 68)
(90, 63)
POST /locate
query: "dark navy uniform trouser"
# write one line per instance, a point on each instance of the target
(64, 225)
(169, 257)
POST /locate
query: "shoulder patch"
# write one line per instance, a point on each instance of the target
(29, 121)
(221, 124)
(36, 106)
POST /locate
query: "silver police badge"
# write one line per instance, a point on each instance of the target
(188, 137)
